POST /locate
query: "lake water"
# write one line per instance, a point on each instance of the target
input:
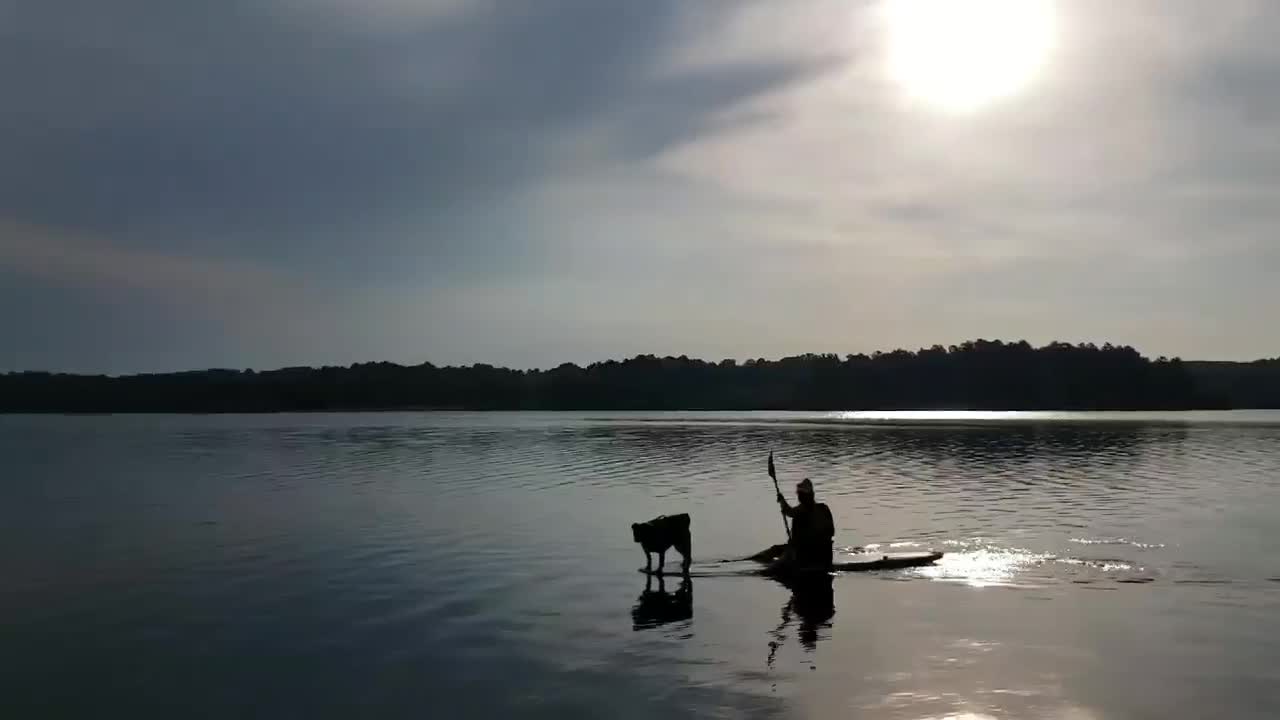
(481, 565)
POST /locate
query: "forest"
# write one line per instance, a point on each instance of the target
(977, 375)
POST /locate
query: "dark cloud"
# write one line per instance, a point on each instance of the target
(291, 132)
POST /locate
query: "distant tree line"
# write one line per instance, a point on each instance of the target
(1242, 385)
(980, 374)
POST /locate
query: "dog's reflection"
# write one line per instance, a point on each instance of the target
(656, 608)
(812, 603)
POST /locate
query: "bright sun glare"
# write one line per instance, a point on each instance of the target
(959, 55)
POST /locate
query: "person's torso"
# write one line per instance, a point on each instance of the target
(811, 523)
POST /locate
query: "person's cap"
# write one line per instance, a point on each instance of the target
(804, 486)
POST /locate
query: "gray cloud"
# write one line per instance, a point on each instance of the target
(278, 130)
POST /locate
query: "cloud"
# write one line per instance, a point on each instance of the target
(298, 132)
(59, 257)
(77, 301)
(1090, 180)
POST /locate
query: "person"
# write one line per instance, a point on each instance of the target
(812, 529)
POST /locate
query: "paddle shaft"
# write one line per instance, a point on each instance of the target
(773, 474)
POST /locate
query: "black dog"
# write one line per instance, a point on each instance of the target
(661, 533)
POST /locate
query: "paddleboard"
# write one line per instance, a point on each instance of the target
(857, 563)
(862, 562)
(884, 561)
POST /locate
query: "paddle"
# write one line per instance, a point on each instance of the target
(771, 553)
(774, 474)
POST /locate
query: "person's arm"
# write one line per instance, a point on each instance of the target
(786, 509)
(828, 522)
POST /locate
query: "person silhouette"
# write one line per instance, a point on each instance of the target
(811, 606)
(812, 532)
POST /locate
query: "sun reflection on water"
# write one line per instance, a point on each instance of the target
(984, 566)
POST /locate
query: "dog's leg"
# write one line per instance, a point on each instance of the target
(662, 560)
(648, 562)
(685, 548)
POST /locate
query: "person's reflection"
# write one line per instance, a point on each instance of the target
(658, 607)
(812, 601)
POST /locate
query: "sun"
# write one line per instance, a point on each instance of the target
(962, 55)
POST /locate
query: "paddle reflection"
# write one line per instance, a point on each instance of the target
(656, 608)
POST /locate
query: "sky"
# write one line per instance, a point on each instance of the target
(528, 182)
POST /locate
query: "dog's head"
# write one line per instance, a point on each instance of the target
(640, 532)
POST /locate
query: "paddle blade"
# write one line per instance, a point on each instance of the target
(772, 473)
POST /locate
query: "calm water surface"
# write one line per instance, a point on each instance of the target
(481, 565)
